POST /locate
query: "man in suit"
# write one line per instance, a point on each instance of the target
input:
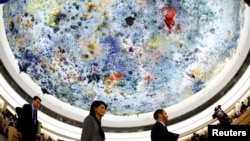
(27, 122)
(159, 131)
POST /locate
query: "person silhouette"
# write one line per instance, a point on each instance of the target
(27, 123)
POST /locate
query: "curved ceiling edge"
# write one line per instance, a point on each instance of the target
(196, 121)
(132, 121)
(199, 109)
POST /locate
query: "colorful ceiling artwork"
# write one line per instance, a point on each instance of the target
(136, 55)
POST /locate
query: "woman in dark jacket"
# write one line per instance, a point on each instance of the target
(91, 127)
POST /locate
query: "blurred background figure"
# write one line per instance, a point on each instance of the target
(243, 107)
(248, 102)
(221, 116)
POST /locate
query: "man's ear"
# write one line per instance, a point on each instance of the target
(160, 116)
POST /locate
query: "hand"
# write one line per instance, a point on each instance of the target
(19, 134)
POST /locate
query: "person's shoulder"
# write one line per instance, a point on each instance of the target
(89, 118)
(156, 125)
(26, 106)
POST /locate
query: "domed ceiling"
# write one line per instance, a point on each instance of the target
(136, 55)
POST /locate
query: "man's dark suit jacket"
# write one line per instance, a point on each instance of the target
(159, 132)
(26, 124)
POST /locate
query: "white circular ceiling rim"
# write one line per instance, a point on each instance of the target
(188, 126)
(77, 114)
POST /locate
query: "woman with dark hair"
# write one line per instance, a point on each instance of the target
(91, 127)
